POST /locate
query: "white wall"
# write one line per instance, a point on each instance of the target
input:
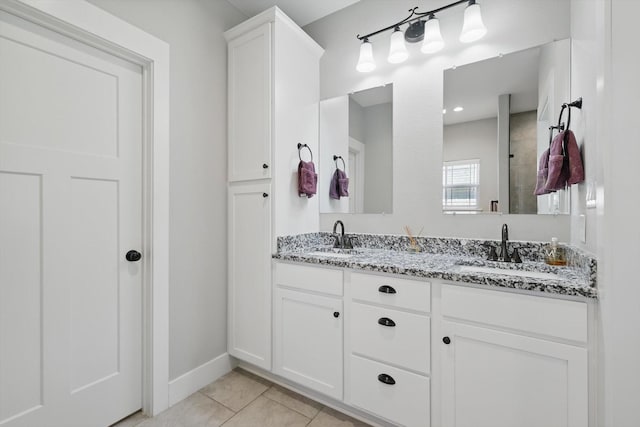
(334, 140)
(378, 169)
(198, 244)
(356, 121)
(476, 140)
(417, 154)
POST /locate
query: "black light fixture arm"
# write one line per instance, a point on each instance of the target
(414, 16)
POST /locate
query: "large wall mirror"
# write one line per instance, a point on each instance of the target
(496, 116)
(356, 136)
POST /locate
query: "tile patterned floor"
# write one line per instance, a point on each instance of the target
(241, 399)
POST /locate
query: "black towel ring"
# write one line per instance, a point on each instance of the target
(335, 159)
(567, 106)
(300, 147)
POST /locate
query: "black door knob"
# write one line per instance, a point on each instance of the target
(336, 314)
(446, 340)
(265, 166)
(265, 195)
(133, 256)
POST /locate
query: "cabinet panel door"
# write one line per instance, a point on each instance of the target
(250, 105)
(308, 340)
(249, 294)
(498, 379)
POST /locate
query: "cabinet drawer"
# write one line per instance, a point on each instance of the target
(538, 315)
(406, 402)
(309, 278)
(392, 336)
(402, 293)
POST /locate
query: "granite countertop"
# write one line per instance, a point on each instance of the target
(569, 281)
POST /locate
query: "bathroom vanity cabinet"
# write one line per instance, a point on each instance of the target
(422, 352)
(273, 94)
(309, 327)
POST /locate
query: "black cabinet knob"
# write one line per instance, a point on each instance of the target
(387, 379)
(265, 195)
(385, 321)
(265, 166)
(386, 289)
(336, 314)
(133, 256)
(446, 340)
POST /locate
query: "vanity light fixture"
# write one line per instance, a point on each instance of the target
(425, 27)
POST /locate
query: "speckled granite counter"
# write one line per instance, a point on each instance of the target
(578, 279)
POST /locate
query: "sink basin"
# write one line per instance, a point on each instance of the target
(507, 272)
(331, 254)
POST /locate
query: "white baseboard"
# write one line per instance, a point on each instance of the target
(187, 384)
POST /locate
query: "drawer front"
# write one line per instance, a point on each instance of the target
(406, 402)
(537, 315)
(308, 278)
(391, 336)
(401, 293)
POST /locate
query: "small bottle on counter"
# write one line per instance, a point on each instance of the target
(555, 254)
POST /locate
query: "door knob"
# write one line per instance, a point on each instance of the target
(265, 166)
(265, 195)
(133, 256)
(446, 340)
(336, 314)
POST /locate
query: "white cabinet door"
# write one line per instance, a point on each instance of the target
(249, 294)
(308, 340)
(499, 379)
(250, 105)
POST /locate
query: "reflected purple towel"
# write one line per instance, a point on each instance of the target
(543, 172)
(307, 179)
(339, 185)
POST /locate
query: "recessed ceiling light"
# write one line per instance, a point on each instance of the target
(458, 109)
(444, 111)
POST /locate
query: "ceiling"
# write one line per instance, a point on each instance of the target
(374, 96)
(476, 86)
(303, 12)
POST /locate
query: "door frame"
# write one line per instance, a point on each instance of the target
(91, 25)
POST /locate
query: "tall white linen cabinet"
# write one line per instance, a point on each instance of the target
(273, 99)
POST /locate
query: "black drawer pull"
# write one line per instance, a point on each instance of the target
(387, 379)
(386, 289)
(385, 321)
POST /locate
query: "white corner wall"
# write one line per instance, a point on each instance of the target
(418, 83)
(198, 244)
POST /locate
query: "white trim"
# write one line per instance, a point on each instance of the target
(187, 384)
(271, 15)
(91, 25)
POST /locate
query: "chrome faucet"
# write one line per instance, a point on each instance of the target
(342, 241)
(504, 249)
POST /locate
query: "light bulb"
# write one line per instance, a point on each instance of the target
(473, 28)
(433, 41)
(366, 62)
(397, 49)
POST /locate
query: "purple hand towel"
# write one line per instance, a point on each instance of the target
(307, 179)
(576, 168)
(339, 186)
(565, 163)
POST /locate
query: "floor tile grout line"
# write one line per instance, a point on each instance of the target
(294, 410)
(219, 403)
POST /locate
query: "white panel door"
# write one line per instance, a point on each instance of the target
(70, 198)
(250, 105)
(499, 379)
(308, 341)
(249, 293)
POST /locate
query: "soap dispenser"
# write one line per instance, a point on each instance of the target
(555, 253)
